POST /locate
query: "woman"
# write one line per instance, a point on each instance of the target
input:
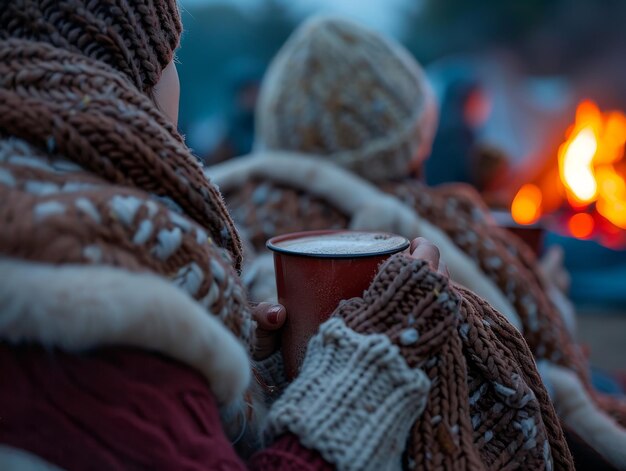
(125, 329)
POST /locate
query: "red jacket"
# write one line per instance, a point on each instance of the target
(122, 409)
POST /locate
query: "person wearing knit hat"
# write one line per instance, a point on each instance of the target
(125, 330)
(357, 109)
(345, 119)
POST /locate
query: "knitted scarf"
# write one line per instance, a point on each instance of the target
(92, 173)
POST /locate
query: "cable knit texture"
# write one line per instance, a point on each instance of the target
(91, 172)
(55, 212)
(411, 304)
(67, 105)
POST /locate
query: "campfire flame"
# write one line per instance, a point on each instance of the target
(591, 175)
(576, 166)
(526, 207)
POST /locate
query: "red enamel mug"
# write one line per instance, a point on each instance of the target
(317, 269)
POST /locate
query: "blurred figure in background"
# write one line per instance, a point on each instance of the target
(461, 116)
(245, 79)
(459, 152)
(345, 96)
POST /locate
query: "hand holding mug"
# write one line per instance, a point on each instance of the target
(270, 319)
(422, 249)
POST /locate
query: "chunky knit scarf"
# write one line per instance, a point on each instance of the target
(91, 172)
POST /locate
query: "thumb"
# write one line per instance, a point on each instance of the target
(269, 317)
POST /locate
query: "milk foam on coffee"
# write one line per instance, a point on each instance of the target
(344, 243)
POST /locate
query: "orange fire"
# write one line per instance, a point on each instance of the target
(526, 207)
(591, 170)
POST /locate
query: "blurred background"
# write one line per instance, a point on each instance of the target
(532, 97)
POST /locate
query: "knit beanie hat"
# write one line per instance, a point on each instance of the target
(137, 38)
(347, 93)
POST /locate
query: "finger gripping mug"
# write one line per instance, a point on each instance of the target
(317, 269)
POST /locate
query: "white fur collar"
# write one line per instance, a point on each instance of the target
(369, 208)
(81, 307)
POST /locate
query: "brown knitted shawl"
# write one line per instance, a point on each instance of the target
(460, 213)
(92, 172)
(487, 408)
